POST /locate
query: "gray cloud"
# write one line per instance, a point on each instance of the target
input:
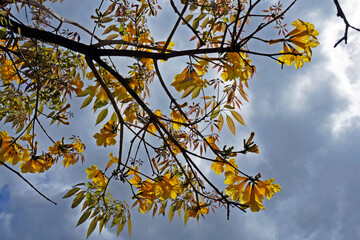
(291, 112)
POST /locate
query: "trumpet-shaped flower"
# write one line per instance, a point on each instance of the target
(107, 135)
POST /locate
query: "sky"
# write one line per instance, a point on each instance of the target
(307, 124)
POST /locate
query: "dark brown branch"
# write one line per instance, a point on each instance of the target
(113, 103)
(187, 24)
(57, 16)
(32, 186)
(175, 26)
(158, 124)
(93, 52)
(341, 14)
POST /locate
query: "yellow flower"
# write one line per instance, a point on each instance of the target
(151, 128)
(9, 150)
(268, 188)
(198, 209)
(220, 165)
(107, 135)
(36, 163)
(211, 140)
(96, 176)
(187, 78)
(177, 117)
(8, 71)
(237, 66)
(252, 198)
(69, 158)
(144, 206)
(254, 193)
(78, 146)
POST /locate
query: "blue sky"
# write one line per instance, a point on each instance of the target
(307, 125)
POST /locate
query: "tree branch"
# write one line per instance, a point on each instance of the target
(57, 16)
(341, 14)
(17, 173)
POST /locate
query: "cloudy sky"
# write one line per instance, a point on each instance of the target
(307, 123)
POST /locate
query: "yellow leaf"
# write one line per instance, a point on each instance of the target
(230, 124)
(102, 116)
(238, 117)
(92, 227)
(129, 224)
(171, 213)
(220, 122)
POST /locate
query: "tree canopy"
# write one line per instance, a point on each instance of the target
(163, 153)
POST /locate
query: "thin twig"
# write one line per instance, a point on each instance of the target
(341, 14)
(17, 173)
(57, 16)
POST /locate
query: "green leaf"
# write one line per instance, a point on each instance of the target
(2, 32)
(120, 226)
(71, 192)
(79, 184)
(230, 124)
(99, 104)
(92, 227)
(171, 213)
(86, 102)
(238, 117)
(188, 18)
(195, 23)
(178, 205)
(41, 109)
(202, 16)
(102, 116)
(186, 216)
(22, 125)
(214, 114)
(84, 217)
(102, 223)
(112, 36)
(110, 28)
(106, 19)
(196, 92)
(78, 199)
(205, 22)
(188, 91)
(129, 225)
(220, 122)
(114, 117)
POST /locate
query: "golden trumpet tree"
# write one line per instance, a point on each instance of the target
(157, 149)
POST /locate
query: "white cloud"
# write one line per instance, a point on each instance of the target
(5, 219)
(342, 62)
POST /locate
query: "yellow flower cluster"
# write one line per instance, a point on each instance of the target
(107, 134)
(250, 195)
(187, 78)
(160, 189)
(178, 119)
(70, 152)
(304, 37)
(198, 209)
(38, 164)
(237, 66)
(8, 71)
(96, 176)
(10, 151)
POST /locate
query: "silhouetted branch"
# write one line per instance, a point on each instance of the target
(17, 173)
(341, 14)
